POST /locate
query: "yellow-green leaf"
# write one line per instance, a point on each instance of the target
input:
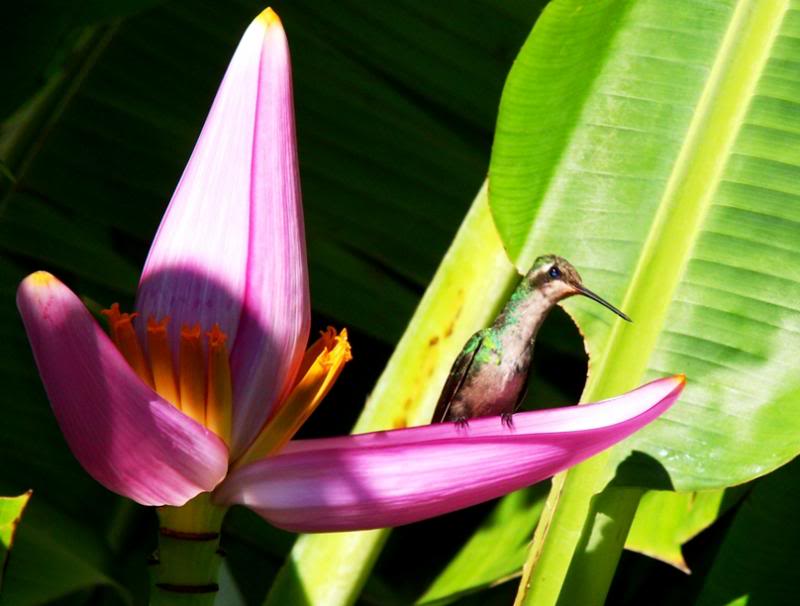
(11, 509)
(655, 145)
(756, 564)
(665, 521)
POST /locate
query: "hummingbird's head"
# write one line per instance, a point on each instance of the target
(557, 279)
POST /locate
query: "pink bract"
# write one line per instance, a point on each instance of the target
(396, 477)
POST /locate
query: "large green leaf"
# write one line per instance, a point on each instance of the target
(668, 176)
(758, 560)
(656, 146)
(496, 552)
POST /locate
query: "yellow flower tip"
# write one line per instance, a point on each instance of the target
(680, 378)
(269, 18)
(41, 278)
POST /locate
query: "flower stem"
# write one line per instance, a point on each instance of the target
(188, 559)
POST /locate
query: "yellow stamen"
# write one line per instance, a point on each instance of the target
(326, 341)
(192, 374)
(124, 337)
(161, 361)
(304, 398)
(220, 393)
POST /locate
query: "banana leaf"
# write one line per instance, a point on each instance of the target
(655, 145)
(757, 561)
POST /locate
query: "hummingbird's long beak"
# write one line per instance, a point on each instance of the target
(588, 293)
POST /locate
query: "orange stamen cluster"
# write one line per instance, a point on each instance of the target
(201, 386)
(206, 399)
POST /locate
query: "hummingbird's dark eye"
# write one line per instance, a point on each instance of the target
(554, 272)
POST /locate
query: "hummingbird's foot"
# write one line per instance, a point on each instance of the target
(507, 419)
(461, 422)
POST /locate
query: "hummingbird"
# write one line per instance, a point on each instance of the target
(490, 375)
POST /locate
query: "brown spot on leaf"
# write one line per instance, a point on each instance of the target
(451, 327)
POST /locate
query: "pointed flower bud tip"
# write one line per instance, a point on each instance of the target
(268, 18)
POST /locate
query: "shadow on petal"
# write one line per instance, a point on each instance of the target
(200, 297)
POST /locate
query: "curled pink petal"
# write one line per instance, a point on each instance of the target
(274, 326)
(128, 438)
(396, 477)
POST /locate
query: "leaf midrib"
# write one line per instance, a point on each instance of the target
(688, 196)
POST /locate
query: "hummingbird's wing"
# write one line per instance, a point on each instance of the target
(456, 377)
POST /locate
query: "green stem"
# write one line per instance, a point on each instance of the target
(188, 560)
